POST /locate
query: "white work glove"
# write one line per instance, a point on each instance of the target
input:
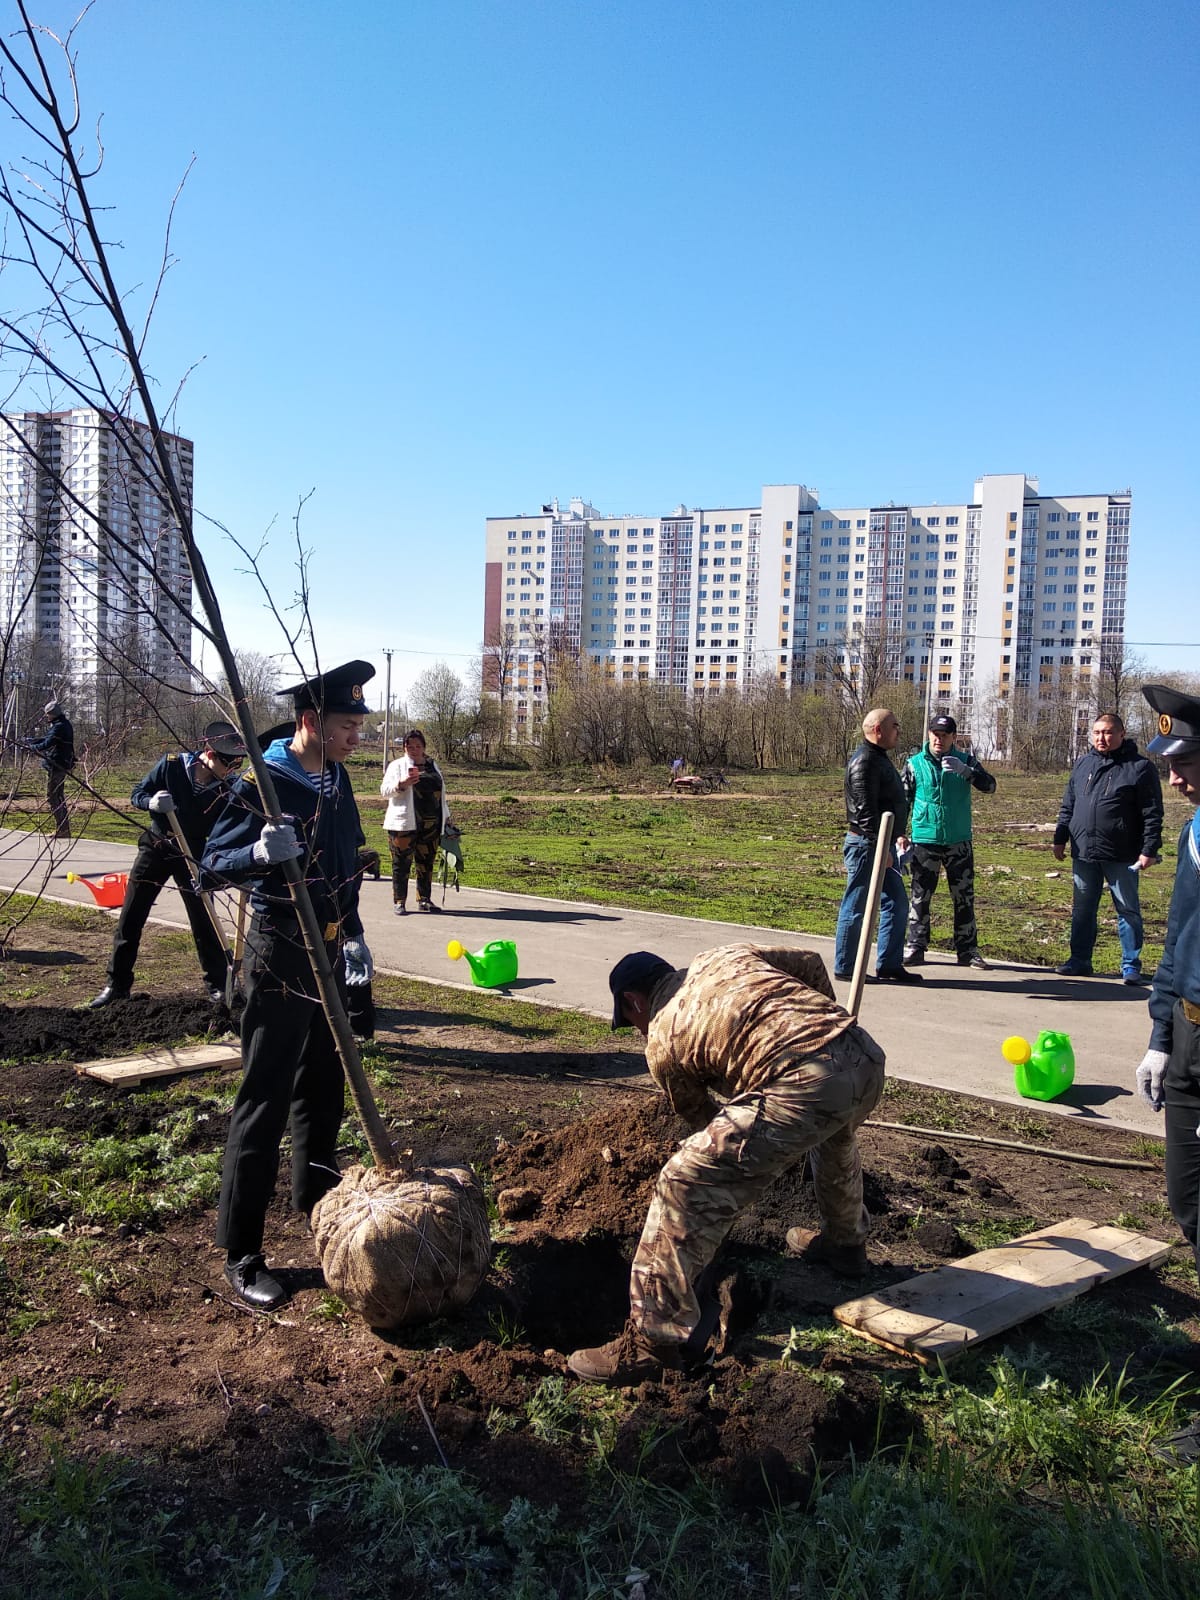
(956, 765)
(277, 842)
(1149, 1077)
(360, 968)
(162, 801)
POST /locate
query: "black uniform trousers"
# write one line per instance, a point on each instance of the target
(1181, 1089)
(958, 860)
(56, 800)
(157, 860)
(290, 1070)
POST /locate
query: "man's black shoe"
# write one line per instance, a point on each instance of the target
(254, 1284)
(898, 975)
(843, 977)
(107, 995)
(217, 996)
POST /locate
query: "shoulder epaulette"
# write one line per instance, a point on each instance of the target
(248, 777)
(175, 757)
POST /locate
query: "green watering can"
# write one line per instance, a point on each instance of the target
(491, 967)
(1045, 1070)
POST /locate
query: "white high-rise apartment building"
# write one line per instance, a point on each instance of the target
(1008, 592)
(87, 545)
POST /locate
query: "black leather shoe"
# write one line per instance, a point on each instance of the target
(217, 996)
(898, 975)
(254, 1284)
(107, 995)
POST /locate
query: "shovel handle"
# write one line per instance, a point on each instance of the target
(883, 849)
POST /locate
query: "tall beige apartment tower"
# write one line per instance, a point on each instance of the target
(1011, 591)
(93, 571)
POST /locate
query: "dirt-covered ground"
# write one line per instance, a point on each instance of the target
(118, 1333)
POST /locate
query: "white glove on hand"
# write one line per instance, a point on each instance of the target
(360, 968)
(277, 842)
(162, 801)
(955, 765)
(1149, 1078)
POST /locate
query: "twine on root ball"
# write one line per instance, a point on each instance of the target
(403, 1248)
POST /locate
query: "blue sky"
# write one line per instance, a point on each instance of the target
(444, 260)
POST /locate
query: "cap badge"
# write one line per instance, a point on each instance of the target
(356, 691)
(1164, 723)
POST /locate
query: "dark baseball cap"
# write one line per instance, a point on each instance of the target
(640, 971)
(943, 725)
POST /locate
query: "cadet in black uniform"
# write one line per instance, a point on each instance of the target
(289, 1059)
(195, 785)
(1169, 1075)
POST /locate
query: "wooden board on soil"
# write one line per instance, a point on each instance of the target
(940, 1314)
(130, 1071)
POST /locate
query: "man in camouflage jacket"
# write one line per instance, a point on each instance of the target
(762, 1029)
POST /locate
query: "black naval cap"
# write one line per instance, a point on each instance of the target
(1178, 721)
(335, 693)
(225, 740)
(639, 970)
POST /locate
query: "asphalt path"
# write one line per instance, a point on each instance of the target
(945, 1032)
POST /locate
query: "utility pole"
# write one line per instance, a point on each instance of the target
(387, 713)
(929, 681)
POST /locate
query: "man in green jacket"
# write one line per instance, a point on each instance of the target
(938, 780)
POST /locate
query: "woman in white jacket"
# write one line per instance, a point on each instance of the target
(416, 818)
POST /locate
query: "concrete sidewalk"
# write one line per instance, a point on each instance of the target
(944, 1032)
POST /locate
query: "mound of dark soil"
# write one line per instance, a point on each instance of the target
(57, 1033)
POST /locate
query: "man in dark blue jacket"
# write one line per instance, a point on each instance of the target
(289, 1059)
(57, 750)
(1111, 814)
(1169, 1075)
(195, 786)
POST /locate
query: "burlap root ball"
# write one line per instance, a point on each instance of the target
(403, 1248)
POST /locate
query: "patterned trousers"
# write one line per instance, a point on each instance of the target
(419, 848)
(959, 862)
(814, 1108)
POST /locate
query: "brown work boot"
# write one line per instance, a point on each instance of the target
(847, 1260)
(625, 1361)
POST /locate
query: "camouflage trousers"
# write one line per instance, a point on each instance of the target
(814, 1107)
(959, 862)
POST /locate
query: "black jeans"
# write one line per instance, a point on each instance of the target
(1181, 1088)
(156, 861)
(291, 1071)
(56, 778)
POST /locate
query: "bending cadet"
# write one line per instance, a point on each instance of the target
(289, 1059)
(761, 1028)
(195, 786)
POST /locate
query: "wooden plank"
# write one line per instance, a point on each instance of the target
(130, 1071)
(937, 1315)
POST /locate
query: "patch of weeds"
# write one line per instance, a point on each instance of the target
(1180, 1268)
(499, 1422)
(986, 1233)
(329, 1308)
(1128, 1219)
(813, 1339)
(549, 1412)
(506, 1330)
(1148, 1149)
(69, 1399)
(1096, 1183)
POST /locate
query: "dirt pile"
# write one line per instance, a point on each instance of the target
(59, 1033)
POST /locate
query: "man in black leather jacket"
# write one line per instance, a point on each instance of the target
(873, 786)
